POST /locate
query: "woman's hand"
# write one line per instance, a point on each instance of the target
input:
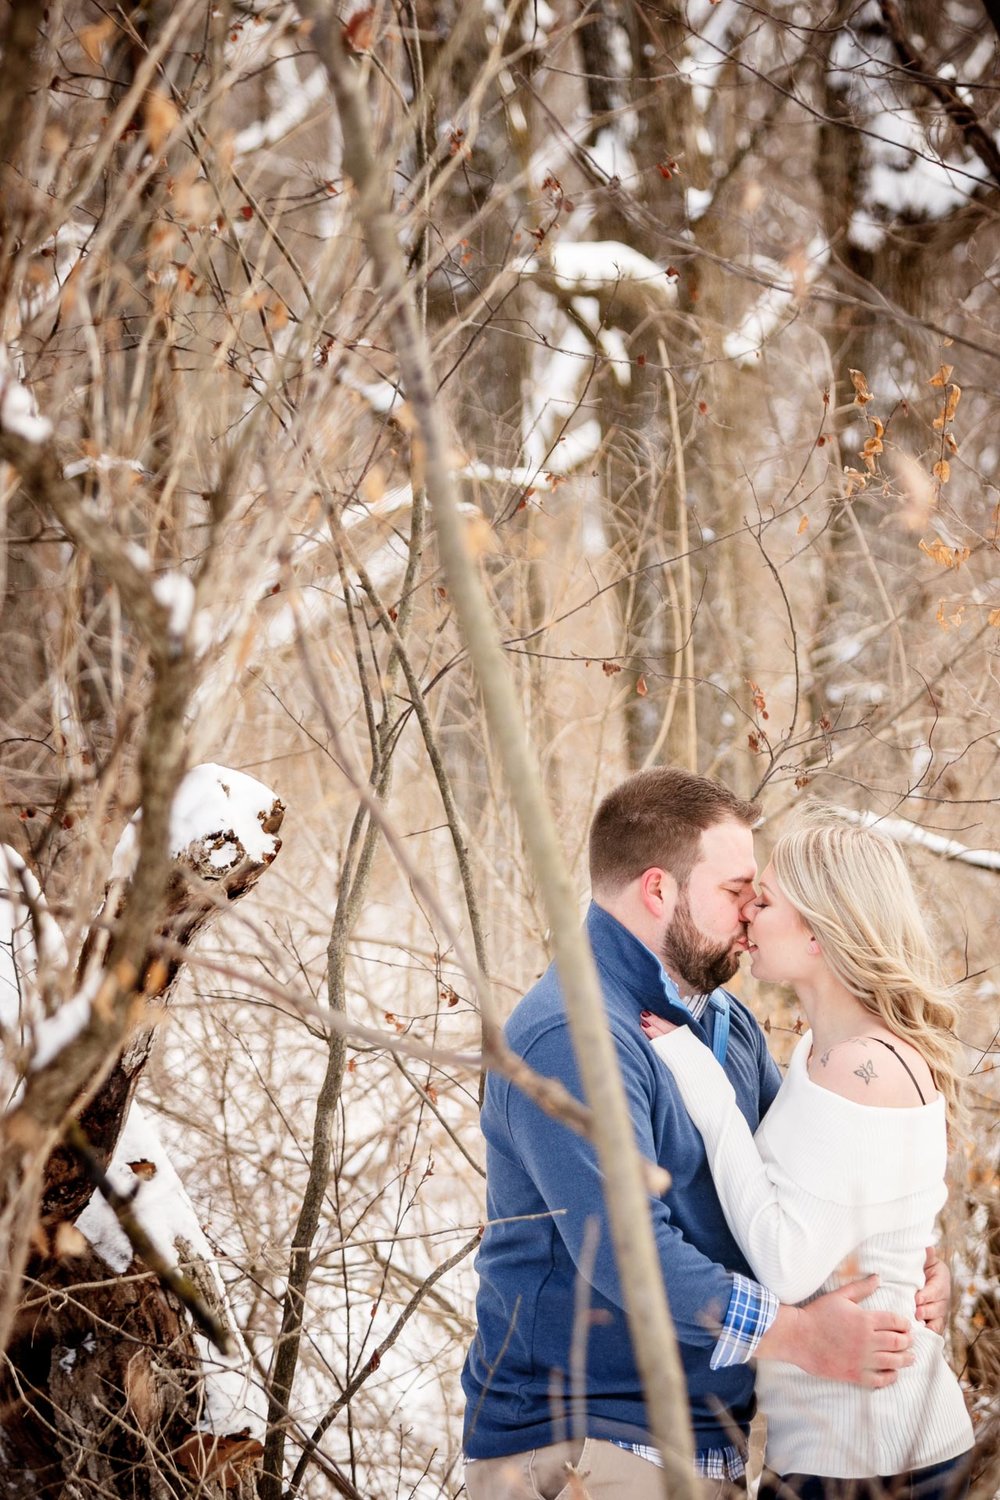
(655, 1025)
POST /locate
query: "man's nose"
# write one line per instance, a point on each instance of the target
(746, 910)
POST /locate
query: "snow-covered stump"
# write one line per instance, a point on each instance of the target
(224, 834)
(108, 1385)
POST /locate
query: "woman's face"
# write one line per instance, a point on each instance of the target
(780, 944)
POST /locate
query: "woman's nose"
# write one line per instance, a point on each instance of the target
(749, 909)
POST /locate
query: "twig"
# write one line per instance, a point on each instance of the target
(373, 1361)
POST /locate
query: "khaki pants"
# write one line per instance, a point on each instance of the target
(585, 1470)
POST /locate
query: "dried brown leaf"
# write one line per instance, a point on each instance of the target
(160, 114)
(67, 1241)
(947, 621)
(948, 557)
(94, 39)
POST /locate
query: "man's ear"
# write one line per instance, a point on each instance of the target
(658, 893)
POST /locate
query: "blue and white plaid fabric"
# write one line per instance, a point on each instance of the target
(714, 1463)
(752, 1309)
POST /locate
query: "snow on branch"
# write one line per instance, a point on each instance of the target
(909, 833)
(31, 946)
(19, 414)
(594, 265)
(779, 302)
(296, 100)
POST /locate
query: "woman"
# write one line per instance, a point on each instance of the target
(846, 1173)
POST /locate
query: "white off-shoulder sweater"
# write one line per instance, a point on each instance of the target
(829, 1190)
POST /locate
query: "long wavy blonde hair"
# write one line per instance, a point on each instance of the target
(854, 891)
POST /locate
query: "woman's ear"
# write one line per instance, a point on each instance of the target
(813, 945)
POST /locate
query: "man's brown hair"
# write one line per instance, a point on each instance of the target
(657, 818)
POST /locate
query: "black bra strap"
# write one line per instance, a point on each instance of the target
(904, 1062)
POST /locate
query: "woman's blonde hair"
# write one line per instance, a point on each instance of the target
(854, 891)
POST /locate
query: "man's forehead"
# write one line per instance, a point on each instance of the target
(728, 849)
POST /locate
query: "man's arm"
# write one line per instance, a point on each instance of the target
(836, 1338)
(563, 1167)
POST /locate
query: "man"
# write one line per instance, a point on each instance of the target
(550, 1381)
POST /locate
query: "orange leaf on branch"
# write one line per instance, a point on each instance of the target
(939, 552)
(358, 31)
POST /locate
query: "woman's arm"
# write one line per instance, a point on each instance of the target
(793, 1239)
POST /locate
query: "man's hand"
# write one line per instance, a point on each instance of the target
(836, 1338)
(934, 1297)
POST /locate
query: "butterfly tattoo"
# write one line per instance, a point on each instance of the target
(866, 1072)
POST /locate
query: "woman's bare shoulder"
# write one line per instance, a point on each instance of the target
(865, 1070)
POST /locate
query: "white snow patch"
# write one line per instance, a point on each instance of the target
(166, 1213)
(55, 1032)
(610, 154)
(126, 850)
(706, 51)
(744, 343)
(175, 592)
(698, 202)
(937, 843)
(575, 447)
(567, 453)
(19, 414)
(102, 464)
(20, 893)
(296, 99)
(610, 341)
(382, 397)
(212, 797)
(589, 265)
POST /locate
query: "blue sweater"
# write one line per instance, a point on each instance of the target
(547, 1250)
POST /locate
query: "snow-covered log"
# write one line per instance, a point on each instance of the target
(106, 1374)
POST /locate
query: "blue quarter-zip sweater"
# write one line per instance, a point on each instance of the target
(552, 1357)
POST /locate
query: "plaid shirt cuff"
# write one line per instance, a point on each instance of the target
(752, 1309)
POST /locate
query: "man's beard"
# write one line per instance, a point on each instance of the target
(702, 964)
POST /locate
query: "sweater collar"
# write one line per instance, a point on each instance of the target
(640, 973)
